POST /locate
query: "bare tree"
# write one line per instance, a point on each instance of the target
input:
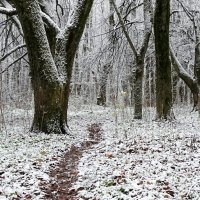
(139, 55)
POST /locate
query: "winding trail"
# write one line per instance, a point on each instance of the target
(65, 173)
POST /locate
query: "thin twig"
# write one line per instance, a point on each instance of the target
(16, 60)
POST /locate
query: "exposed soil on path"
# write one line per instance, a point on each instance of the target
(65, 173)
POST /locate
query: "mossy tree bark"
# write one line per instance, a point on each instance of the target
(51, 74)
(163, 66)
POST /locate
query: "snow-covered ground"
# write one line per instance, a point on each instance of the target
(25, 158)
(136, 160)
(144, 160)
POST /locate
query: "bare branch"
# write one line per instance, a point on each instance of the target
(124, 30)
(185, 76)
(191, 17)
(188, 79)
(16, 60)
(11, 11)
(62, 11)
(15, 19)
(132, 9)
(12, 51)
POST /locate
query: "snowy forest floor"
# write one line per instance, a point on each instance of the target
(136, 159)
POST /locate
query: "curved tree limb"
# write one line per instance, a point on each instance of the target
(148, 19)
(185, 76)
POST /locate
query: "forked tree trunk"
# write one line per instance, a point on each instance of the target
(139, 74)
(51, 74)
(163, 66)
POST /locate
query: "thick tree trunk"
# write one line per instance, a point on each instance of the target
(50, 103)
(51, 78)
(163, 66)
(50, 109)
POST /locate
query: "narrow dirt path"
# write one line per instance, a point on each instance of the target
(66, 173)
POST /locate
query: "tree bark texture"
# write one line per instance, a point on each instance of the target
(138, 85)
(163, 66)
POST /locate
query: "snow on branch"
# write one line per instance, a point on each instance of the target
(45, 17)
(50, 22)
(179, 69)
(79, 12)
(7, 11)
(12, 51)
